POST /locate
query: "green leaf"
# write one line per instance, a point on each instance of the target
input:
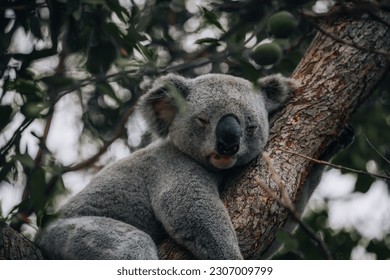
(211, 18)
(43, 218)
(101, 56)
(34, 109)
(289, 242)
(2, 219)
(60, 185)
(25, 159)
(35, 26)
(5, 169)
(207, 41)
(250, 72)
(37, 189)
(120, 11)
(106, 88)
(25, 87)
(132, 38)
(58, 81)
(5, 115)
(148, 53)
(127, 41)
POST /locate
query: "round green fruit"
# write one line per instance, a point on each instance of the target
(267, 54)
(282, 24)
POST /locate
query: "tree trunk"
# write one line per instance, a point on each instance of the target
(335, 80)
(14, 246)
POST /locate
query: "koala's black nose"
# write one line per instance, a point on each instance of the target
(228, 134)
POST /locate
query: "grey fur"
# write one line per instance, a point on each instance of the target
(171, 186)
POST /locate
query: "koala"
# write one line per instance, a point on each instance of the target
(206, 127)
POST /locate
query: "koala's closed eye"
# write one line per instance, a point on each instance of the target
(250, 130)
(202, 120)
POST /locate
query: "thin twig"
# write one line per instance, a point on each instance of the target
(41, 151)
(23, 214)
(377, 151)
(18, 132)
(143, 72)
(286, 202)
(337, 166)
(118, 133)
(295, 215)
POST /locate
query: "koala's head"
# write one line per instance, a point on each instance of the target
(221, 121)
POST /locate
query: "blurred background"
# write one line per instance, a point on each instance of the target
(71, 72)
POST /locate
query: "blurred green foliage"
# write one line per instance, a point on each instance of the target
(99, 49)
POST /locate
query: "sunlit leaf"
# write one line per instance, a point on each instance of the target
(26, 87)
(5, 169)
(211, 18)
(120, 11)
(106, 88)
(204, 41)
(25, 159)
(34, 109)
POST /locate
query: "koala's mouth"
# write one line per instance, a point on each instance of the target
(222, 162)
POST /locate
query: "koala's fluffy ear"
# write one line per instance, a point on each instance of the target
(161, 104)
(277, 89)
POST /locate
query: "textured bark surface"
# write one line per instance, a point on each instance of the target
(335, 80)
(14, 246)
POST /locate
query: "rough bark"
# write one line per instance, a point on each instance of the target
(335, 80)
(14, 246)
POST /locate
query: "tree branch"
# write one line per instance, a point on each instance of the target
(120, 128)
(378, 152)
(23, 213)
(338, 166)
(284, 200)
(346, 42)
(335, 80)
(14, 246)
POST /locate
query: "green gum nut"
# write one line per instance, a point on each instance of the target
(282, 24)
(267, 54)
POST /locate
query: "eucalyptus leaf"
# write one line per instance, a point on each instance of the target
(5, 115)
(57, 81)
(211, 18)
(25, 159)
(207, 41)
(34, 109)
